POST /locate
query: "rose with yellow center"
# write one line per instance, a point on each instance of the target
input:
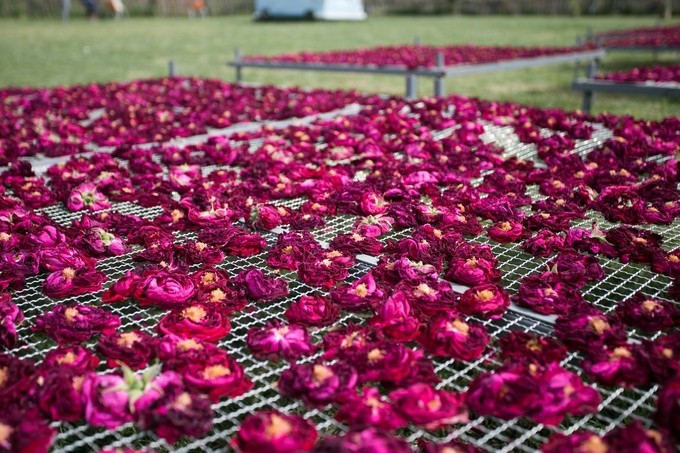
(200, 246)
(277, 427)
(194, 313)
(67, 359)
(320, 373)
(216, 371)
(375, 355)
(71, 313)
(189, 345)
(217, 295)
(458, 326)
(650, 306)
(505, 226)
(3, 377)
(485, 295)
(361, 290)
(598, 325)
(127, 339)
(68, 273)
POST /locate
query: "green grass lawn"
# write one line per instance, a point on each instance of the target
(47, 53)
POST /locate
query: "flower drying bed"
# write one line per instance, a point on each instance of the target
(500, 133)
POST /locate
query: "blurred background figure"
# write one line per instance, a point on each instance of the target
(197, 8)
(117, 7)
(90, 9)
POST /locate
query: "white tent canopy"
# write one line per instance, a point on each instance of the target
(316, 9)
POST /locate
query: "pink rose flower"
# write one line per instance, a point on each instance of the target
(395, 320)
(450, 336)
(423, 405)
(488, 301)
(274, 432)
(276, 340)
(369, 408)
(260, 287)
(163, 289)
(134, 349)
(73, 282)
(313, 311)
(75, 323)
(200, 321)
(107, 401)
(360, 295)
(59, 393)
(668, 407)
(318, 385)
(10, 317)
(647, 313)
(76, 357)
(368, 439)
(215, 375)
(86, 196)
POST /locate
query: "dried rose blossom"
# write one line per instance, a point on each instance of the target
(506, 393)
(524, 347)
(422, 405)
(318, 385)
(368, 439)
(369, 408)
(588, 330)
(633, 244)
(616, 366)
(576, 269)
(277, 340)
(170, 411)
(76, 357)
(26, 433)
(86, 196)
(450, 336)
(580, 441)
(559, 393)
(381, 361)
(134, 348)
(122, 289)
(636, 437)
(266, 217)
(547, 294)
(98, 242)
(356, 243)
(452, 446)
(215, 375)
(207, 322)
(327, 270)
(473, 271)
(58, 392)
(75, 323)
(73, 282)
(259, 287)
(176, 352)
(10, 317)
(647, 313)
(668, 407)
(17, 378)
(430, 299)
(313, 311)
(374, 226)
(291, 249)
(507, 231)
(488, 301)
(543, 244)
(274, 432)
(340, 341)
(163, 289)
(661, 356)
(107, 401)
(360, 295)
(395, 320)
(192, 252)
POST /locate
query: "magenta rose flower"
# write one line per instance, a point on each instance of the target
(277, 340)
(369, 439)
(369, 408)
(163, 289)
(122, 289)
(17, 378)
(259, 287)
(98, 242)
(661, 356)
(356, 243)
(215, 375)
(382, 361)
(507, 231)
(580, 441)
(59, 393)
(201, 321)
(86, 196)
(506, 393)
(107, 401)
(76, 357)
(75, 323)
(63, 256)
(547, 294)
(431, 298)
(648, 314)
(266, 217)
(423, 405)
(274, 432)
(589, 330)
(559, 393)
(524, 347)
(192, 252)
(291, 249)
(543, 244)
(360, 295)
(26, 433)
(473, 271)
(395, 320)
(10, 318)
(318, 385)
(73, 282)
(668, 407)
(616, 366)
(637, 437)
(488, 301)
(450, 336)
(134, 349)
(326, 270)
(452, 446)
(576, 269)
(313, 311)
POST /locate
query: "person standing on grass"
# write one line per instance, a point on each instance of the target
(90, 8)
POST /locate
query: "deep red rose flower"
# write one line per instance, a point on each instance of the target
(524, 347)
(616, 366)
(360, 295)
(450, 336)
(452, 446)
(382, 361)
(163, 289)
(313, 311)
(122, 289)
(10, 318)
(661, 356)
(75, 323)
(507, 231)
(134, 349)
(576, 269)
(589, 330)
(59, 395)
(647, 313)
(431, 298)
(636, 437)
(192, 252)
(267, 217)
(291, 249)
(76, 357)
(506, 393)
(327, 270)
(63, 256)
(207, 322)
(547, 294)
(367, 440)
(369, 408)
(73, 282)
(423, 405)
(473, 271)
(17, 378)
(260, 287)
(274, 432)
(356, 243)
(668, 407)
(488, 301)
(98, 242)
(421, 371)
(215, 375)
(318, 385)
(276, 340)
(176, 352)
(543, 244)
(28, 433)
(633, 244)
(580, 441)
(338, 342)
(395, 320)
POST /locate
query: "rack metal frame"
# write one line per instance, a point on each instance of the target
(590, 86)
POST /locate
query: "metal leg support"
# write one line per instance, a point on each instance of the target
(172, 68)
(588, 95)
(439, 80)
(411, 86)
(239, 69)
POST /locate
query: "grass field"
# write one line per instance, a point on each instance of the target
(47, 53)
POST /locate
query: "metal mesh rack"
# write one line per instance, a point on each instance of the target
(619, 405)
